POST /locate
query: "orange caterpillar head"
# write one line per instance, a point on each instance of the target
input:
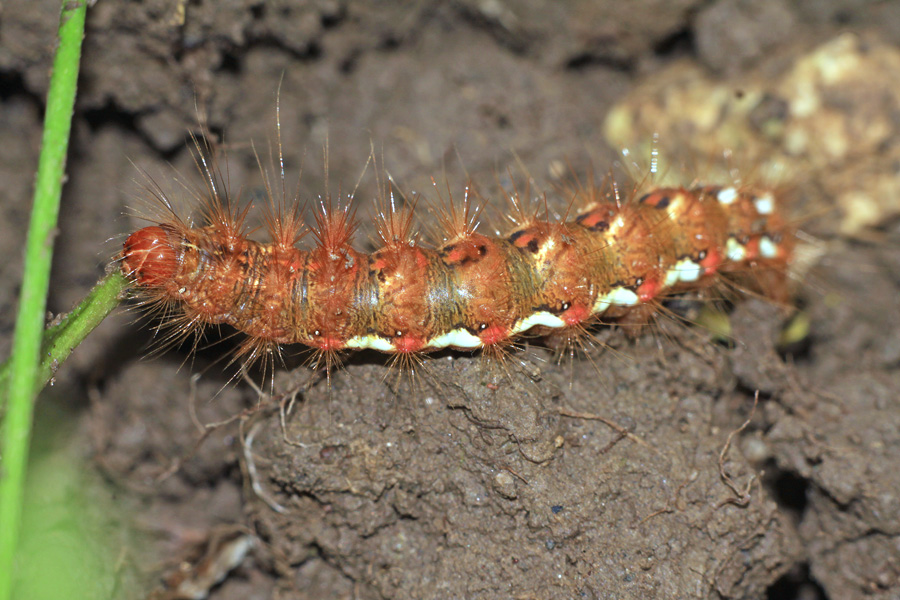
(149, 257)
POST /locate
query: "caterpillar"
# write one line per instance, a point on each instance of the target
(609, 259)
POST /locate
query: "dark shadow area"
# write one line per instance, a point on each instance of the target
(796, 584)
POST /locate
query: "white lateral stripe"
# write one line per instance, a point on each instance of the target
(370, 342)
(672, 277)
(727, 195)
(767, 248)
(622, 297)
(601, 304)
(542, 318)
(687, 270)
(458, 338)
(734, 251)
(619, 296)
(765, 204)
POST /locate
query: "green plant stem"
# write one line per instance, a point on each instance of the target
(65, 335)
(23, 377)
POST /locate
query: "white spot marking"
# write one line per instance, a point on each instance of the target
(767, 248)
(545, 249)
(765, 204)
(617, 224)
(727, 195)
(734, 251)
(458, 338)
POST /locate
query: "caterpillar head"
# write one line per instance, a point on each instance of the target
(149, 257)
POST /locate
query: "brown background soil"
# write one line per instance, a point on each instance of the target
(475, 483)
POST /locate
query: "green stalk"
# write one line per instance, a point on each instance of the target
(25, 358)
(65, 335)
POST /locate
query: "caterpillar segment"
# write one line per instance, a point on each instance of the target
(474, 291)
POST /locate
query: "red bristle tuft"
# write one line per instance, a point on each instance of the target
(395, 225)
(334, 226)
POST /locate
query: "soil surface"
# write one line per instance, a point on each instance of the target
(639, 469)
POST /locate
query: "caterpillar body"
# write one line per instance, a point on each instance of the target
(472, 291)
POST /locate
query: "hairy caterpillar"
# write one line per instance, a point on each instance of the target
(614, 258)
